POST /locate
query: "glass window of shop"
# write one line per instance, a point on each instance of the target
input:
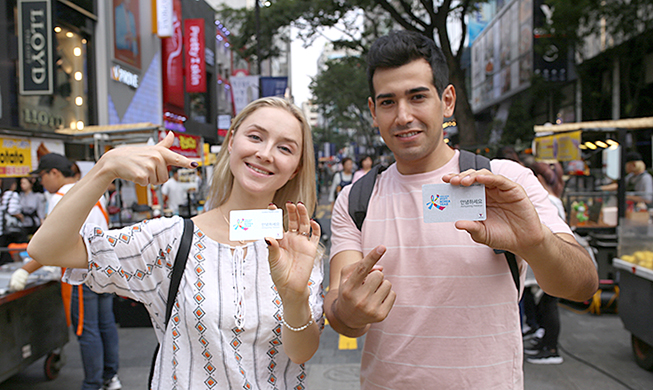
(67, 107)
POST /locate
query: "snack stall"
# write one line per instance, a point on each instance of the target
(635, 265)
(621, 231)
(32, 322)
(592, 212)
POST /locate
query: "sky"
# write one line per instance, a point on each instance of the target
(304, 65)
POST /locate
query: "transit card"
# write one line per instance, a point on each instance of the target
(255, 224)
(449, 203)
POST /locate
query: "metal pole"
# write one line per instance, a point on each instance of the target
(257, 12)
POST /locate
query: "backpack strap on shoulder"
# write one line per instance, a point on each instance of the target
(469, 160)
(177, 272)
(360, 193)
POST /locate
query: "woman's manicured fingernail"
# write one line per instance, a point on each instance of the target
(268, 242)
(271, 204)
(300, 202)
(194, 164)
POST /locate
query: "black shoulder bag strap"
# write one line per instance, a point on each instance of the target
(360, 194)
(469, 160)
(177, 272)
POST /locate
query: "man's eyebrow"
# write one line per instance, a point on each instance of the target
(408, 92)
(418, 89)
(385, 95)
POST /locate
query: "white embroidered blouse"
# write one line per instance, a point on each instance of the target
(225, 327)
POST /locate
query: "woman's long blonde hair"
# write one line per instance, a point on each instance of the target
(300, 188)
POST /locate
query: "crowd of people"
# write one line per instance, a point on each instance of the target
(405, 284)
(21, 211)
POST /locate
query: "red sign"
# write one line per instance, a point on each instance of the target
(184, 144)
(173, 65)
(194, 50)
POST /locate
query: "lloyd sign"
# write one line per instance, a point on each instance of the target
(35, 47)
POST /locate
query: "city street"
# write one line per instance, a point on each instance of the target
(596, 351)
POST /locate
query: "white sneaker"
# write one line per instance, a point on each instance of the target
(112, 384)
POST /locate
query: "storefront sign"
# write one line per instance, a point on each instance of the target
(195, 57)
(184, 144)
(35, 47)
(164, 18)
(42, 118)
(124, 76)
(561, 147)
(15, 157)
(173, 64)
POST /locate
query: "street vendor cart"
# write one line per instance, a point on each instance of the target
(591, 212)
(32, 325)
(635, 265)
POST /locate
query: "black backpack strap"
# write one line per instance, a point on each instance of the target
(177, 272)
(469, 160)
(360, 194)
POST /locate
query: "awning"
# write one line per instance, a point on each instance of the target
(632, 123)
(128, 133)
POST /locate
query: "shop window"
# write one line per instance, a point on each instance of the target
(198, 110)
(67, 107)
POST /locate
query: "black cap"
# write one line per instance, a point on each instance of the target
(50, 161)
(633, 156)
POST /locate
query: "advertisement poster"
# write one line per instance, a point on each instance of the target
(187, 145)
(126, 32)
(561, 147)
(15, 157)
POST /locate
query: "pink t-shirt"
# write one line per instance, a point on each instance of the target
(455, 323)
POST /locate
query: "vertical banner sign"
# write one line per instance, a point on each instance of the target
(173, 64)
(164, 16)
(15, 157)
(187, 145)
(195, 58)
(35, 47)
(245, 91)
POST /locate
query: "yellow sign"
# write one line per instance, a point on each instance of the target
(15, 157)
(561, 147)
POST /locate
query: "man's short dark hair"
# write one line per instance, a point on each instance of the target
(399, 48)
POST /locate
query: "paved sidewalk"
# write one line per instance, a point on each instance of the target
(596, 350)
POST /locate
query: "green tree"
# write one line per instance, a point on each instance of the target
(430, 18)
(341, 94)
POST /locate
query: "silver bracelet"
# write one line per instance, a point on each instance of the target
(283, 321)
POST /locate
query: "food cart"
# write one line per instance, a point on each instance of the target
(622, 235)
(32, 323)
(635, 278)
(591, 212)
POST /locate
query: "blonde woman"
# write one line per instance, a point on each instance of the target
(248, 314)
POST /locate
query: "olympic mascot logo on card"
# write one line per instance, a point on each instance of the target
(243, 224)
(438, 202)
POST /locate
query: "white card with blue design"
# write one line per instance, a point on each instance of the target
(255, 224)
(449, 203)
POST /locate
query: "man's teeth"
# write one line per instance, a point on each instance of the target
(406, 135)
